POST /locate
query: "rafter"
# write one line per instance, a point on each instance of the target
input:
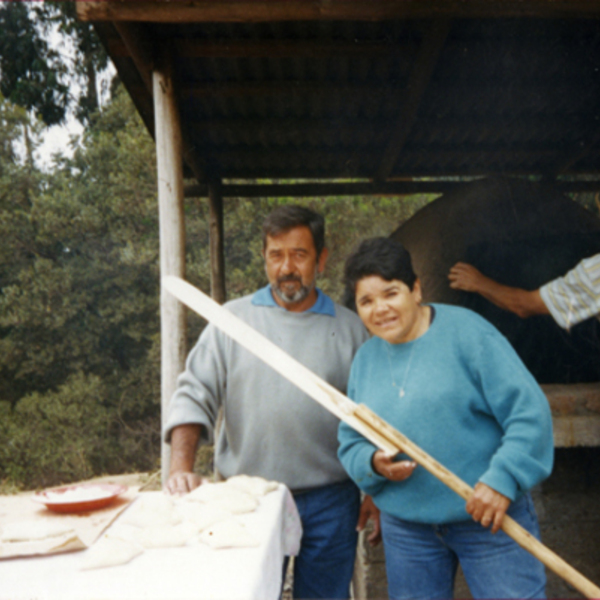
(193, 48)
(421, 73)
(393, 188)
(198, 11)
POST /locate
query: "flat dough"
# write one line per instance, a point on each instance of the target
(224, 496)
(228, 534)
(28, 531)
(167, 536)
(152, 509)
(110, 551)
(202, 515)
(255, 486)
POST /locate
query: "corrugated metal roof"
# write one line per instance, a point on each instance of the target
(354, 99)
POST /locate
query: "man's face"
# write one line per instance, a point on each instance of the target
(291, 265)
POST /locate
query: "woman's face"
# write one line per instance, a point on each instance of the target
(390, 309)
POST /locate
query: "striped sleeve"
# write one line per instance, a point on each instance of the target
(576, 296)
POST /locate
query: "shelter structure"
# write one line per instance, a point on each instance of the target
(323, 97)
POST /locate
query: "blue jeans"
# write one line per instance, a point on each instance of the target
(421, 560)
(325, 565)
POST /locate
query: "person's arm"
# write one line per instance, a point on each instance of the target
(513, 398)
(184, 442)
(193, 410)
(523, 303)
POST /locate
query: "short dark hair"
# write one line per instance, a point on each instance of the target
(287, 217)
(381, 256)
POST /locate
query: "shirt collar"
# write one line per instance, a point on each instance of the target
(323, 306)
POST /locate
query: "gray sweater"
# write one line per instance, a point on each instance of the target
(271, 428)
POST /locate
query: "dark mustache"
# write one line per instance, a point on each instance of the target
(286, 278)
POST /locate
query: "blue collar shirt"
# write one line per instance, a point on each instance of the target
(323, 306)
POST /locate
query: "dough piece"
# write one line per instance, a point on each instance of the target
(202, 515)
(224, 496)
(27, 531)
(167, 536)
(256, 486)
(125, 531)
(228, 534)
(110, 551)
(152, 509)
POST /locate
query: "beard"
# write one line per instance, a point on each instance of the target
(299, 294)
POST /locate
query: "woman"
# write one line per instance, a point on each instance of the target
(450, 382)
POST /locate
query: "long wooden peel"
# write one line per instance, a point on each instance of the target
(360, 418)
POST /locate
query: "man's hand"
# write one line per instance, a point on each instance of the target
(369, 512)
(180, 483)
(184, 441)
(488, 506)
(388, 468)
(466, 277)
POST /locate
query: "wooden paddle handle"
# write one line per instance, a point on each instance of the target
(509, 525)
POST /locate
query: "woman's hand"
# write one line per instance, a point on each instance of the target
(394, 471)
(488, 506)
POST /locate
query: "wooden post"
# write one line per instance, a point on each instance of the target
(217, 244)
(172, 235)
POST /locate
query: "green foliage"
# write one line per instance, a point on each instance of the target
(79, 309)
(31, 74)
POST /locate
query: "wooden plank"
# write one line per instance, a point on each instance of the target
(172, 236)
(198, 11)
(576, 413)
(245, 89)
(389, 188)
(572, 431)
(217, 242)
(291, 49)
(307, 190)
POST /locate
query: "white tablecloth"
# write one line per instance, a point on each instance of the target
(196, 571)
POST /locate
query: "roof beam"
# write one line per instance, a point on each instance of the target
(419, 78)
(279, 88)
(394, 188)
(202, 11)
(191, 48)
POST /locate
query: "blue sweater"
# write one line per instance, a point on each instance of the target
(469, 402)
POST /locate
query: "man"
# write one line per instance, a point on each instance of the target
(270, 428)
(569, 299)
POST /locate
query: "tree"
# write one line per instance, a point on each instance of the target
(42, 79)
(79, 312)
(31, 74)
(90, 57)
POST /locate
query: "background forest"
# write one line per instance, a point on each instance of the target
(79, 274)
